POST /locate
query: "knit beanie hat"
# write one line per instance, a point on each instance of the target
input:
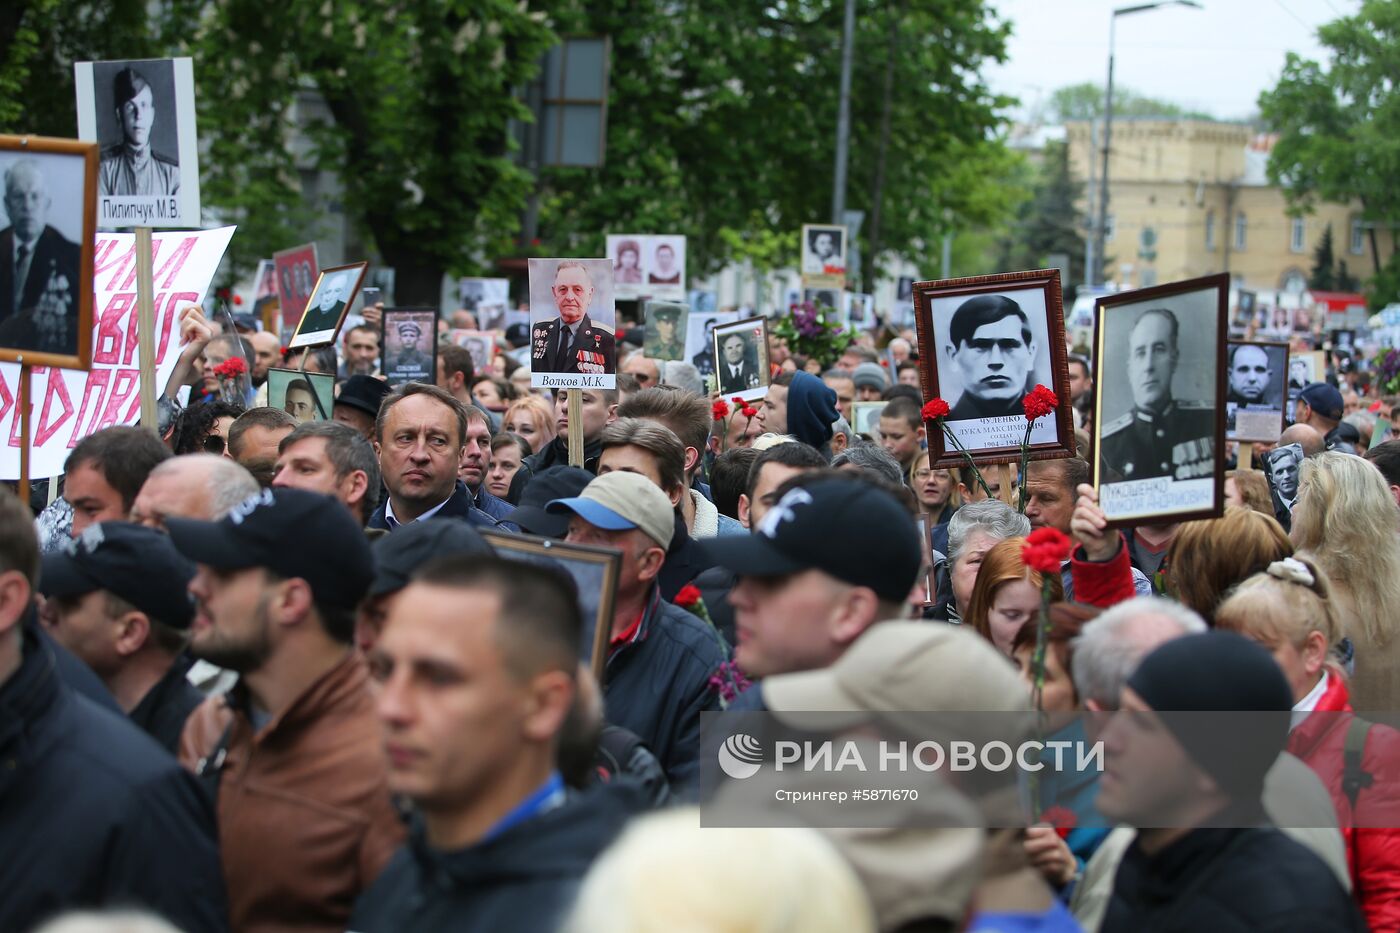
(871, 375)
(811, 408)
(1222, 673)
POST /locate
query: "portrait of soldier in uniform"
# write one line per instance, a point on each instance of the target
(737, 368)
(408, 353)
(1162, 436)
(40, 288)
(131, 165)
(570, 342)
(665, 338)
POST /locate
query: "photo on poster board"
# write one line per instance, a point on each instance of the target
(647, 266)
(573, 320)
(1256, 394)
(1159, 380)
(408, 345)
(700, 339)
(1282, 466)
(481, 345)
(488, 299)
(593, 572)
(266, 307)
(741, 359)
(829, 298)
(46, 239)
(141, 115)
(1305, 368)
(984, 343)
(297, 270)
(865, 418)
(666, 323)
(824, 256)
(1344, 341)
(330, 300)
(304, 396)
(860, 309)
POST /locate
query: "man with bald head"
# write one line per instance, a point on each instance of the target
(39, 268)
(200, 486)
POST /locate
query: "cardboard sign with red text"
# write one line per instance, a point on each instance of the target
(69, 405)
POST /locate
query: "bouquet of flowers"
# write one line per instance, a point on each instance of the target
(721, 412)
(232, 374)
(813, 331)
(1386, 366)
(727, 681)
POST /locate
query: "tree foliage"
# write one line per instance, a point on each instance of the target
(1339, 126)
(1048, 221)
(1085, 102)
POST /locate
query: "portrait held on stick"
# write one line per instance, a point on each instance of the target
(142, 115)
(666, 328)
(329, 303)
(304, 396)
(645, 266)
(1256, 394)
(824, 256)
(409, 339)
(46, 239)
(741, 359)
(1160, 383)
(985, 343)
(572, 320)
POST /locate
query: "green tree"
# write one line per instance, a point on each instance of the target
(1085, 102)
(1338, 125)
(1048, 221)
(1323, 275)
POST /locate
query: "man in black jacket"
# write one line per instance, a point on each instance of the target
(656, 682)
(116, 598)
(92, 812)
(477, 666)
(599, 411)
(420, 436)
(1205, 856)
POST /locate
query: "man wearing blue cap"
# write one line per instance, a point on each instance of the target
(116, 599)
(1320, 406)
(660, 657)
(292, 752)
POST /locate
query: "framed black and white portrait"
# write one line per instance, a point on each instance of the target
(573, 320)
(488, 299)
(1256, 391)
(984, 343)
(408, 344)
(1305, 368)
(824, 256)
(304, 396)
(480, 344)
(666, 326)
(1282, 466)
(1159, 388)
(46, 241)
(700, 338)
(865, 418)
(141, 114)
(593, 571)
(325, 312)
(741, 359)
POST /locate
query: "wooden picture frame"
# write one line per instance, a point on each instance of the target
(414, 363)
(315, 328)
(865, 418)
(1252, 430)
(755, 375)
(1154, 460)
(994, 426)
(594, 571)
(60, 266)
(320, 404)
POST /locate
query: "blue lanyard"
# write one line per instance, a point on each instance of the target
(549, 796)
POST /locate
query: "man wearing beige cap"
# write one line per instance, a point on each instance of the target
(660, 657)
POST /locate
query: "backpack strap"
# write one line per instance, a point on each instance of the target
(1354, 778)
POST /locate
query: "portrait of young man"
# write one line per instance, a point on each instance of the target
(131, 165)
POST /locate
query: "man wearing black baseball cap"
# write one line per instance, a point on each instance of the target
(803, 596)
(305, 816)
(1320, 406)
(116, 598)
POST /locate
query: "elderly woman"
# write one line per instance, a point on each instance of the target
(972, 532)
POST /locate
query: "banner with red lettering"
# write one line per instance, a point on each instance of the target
(68, 405)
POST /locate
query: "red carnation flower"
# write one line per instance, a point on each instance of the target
(720, 410)
(688, 596)
(1040, 402)
(1062, 818)
(935, 409)
(237, 300)
(748, 411)
(231, 368)
(738, 400)
(885, 363)
(1046, 550)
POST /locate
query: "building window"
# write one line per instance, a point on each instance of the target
(1358, 236)
(1296, 239)
(1110, 226)
(1241, 230)
(1210, 231)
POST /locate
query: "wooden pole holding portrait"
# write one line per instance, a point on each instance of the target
(575, 403)
(146, 326)
(24, 405)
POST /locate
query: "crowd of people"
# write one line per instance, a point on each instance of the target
(263, 673)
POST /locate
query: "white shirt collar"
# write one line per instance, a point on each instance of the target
(1308, 703)
(393, 522)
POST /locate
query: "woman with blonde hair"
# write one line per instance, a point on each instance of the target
(1345, 520)
(532, 419)
(1006, 595)
(1208, 558)
(1288, 610)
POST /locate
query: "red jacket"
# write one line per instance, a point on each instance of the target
(1373, 854)
(1105, 583)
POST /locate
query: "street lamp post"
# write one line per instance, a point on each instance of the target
(1101, 223)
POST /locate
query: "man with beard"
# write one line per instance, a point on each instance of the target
(292, 752)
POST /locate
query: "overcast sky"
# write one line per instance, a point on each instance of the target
(1216, 59)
